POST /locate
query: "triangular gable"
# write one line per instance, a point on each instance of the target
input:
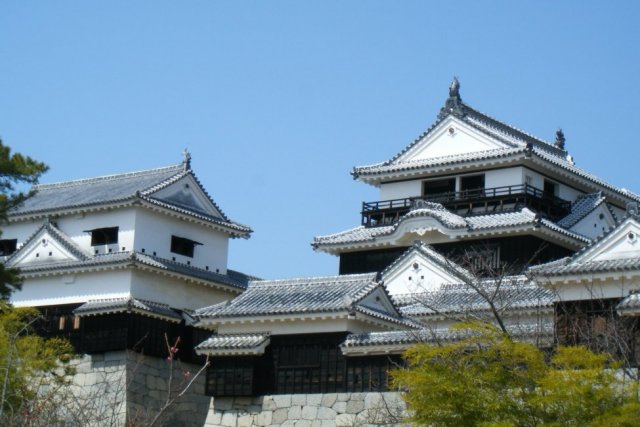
(622, 242)
(596, 223)
(187, 193)
(422, 269)
(450, 137)
(380, 301)
(47, 245)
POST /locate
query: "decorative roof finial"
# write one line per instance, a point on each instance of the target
(454, 89)
(454, 102)
(186, 162)
(560, 139)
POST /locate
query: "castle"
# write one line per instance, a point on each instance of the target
(475, 219)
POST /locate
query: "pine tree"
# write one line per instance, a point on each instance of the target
(17, 173)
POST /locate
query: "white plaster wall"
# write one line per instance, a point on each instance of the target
(401, 190)
(72, 288)
(75, 226)
(564, 192)
(503, 177)
(595, 288)
(154, 231)
(464, 139)
(592, 226)
(174, 292)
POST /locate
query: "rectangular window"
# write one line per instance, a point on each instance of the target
(439, 187)
(8, 246)
(550, 188)
(104, 236)
(471, 183)
(183, 246)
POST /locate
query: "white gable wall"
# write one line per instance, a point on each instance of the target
(405, 279)
(451, 137)
(596, 223)
(154, 231)
(187, 193)
(72, 288)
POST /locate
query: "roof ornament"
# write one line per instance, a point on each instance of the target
(186, 162)
(453, 105)
(560, 139)
(454, 89)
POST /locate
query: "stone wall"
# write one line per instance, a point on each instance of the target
(307, 410)
(109, 388)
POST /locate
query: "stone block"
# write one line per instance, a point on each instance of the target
(357, 396)
(280, 415)
(340, 407)
(264, 418)
(303, 423)
(299, 399)
(295, 412)
(325, 413)
(329, 399)
(309, 412)
(243, 401)
(282, 400)
(245, 420)
(345, 420)
(373, 400)
(228, 419)
(314, 399)
(328, 423)
(343, 397)
(268, 404)
(354, 406)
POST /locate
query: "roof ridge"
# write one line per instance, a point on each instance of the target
(73, 182)
(314, 279)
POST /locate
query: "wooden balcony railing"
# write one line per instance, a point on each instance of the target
(470, 202)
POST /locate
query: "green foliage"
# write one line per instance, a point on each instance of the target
(488, 379)
(16, 172)
(28, 361)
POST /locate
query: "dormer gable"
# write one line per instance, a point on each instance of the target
(422, 269)
(186, 193)
(622, 242)
(47, 245)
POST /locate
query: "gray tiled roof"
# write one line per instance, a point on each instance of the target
(630, 305)
(120, 188)
(300, 295)
(233, 342)
(511, 294)
(581, 208)
(233, 279)
(450, 221)
(542, 331)
(567, 266)
(126, 304)
(96, 191)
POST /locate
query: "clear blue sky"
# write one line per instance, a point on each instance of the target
(278, 100)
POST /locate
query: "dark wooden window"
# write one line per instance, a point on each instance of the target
(310, 363)
(370, 373)
(231, 376)
(473, 182)
(550, 188)
(183, 246)
(104, 236)
(438, 186)
(8, 246)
